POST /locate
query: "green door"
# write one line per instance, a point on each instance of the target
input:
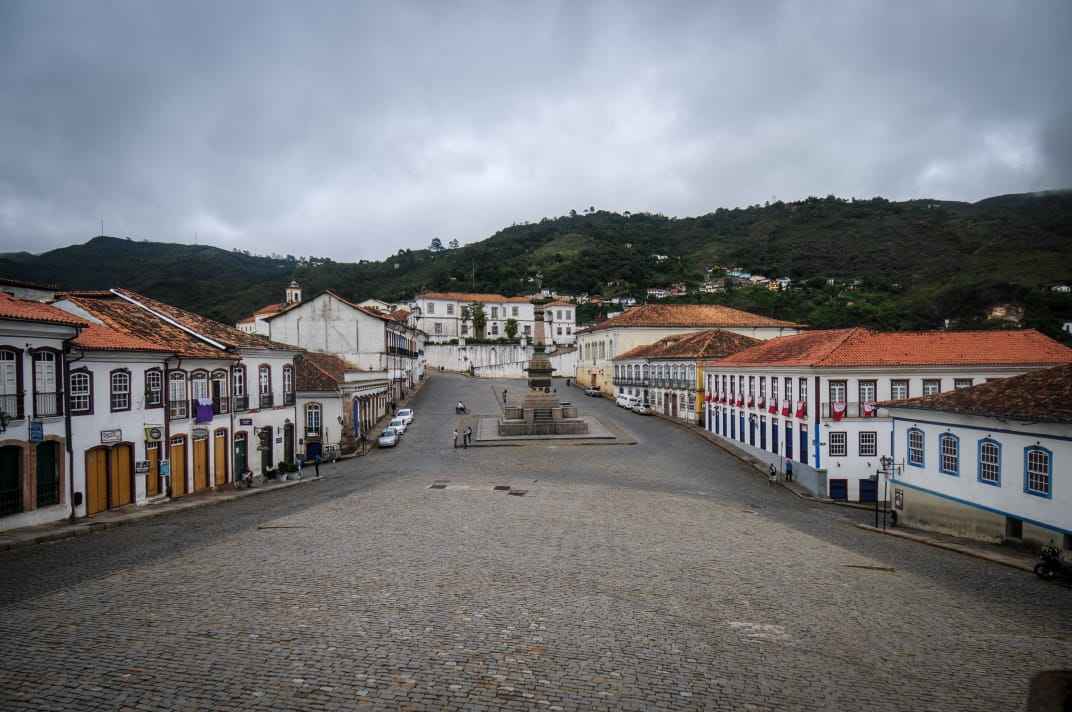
(10, 480)
(48, 475)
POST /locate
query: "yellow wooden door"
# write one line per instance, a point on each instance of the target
(122, 487)
(178, 467)
(96, 480)
(152, 480)
(219, 454)
(200, 464)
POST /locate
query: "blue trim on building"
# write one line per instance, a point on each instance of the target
(983, 507)
(1049, 475)
(986, 430)
(979, 461)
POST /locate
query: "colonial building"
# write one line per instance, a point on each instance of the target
(668, 375)
(384, 345)
(257, 322)
(30, 291)
(647, 324)
(561, 322)
(35, 469)
(339, 403)
(987, 461)
(812, 398)
(164, 401)
(440, 315)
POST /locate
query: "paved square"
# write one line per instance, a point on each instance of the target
(661, 575)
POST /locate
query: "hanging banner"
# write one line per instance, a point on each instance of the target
(357, 417)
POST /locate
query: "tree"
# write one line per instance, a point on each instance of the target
(453, 244)
(480, 321)
(437, 245)
(511, 328)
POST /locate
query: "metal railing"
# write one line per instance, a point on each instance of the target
(48, 404)
(288, 398)
(178, 409)
(221, 405)
(266, 400)
(240, 402)
(11, 405)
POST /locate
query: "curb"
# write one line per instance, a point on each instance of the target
(89, 527)
(966, 550)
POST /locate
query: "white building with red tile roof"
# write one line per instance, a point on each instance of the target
(441, 316)
(990, 462)
(34, 462)
(812, 398)
(643, 325)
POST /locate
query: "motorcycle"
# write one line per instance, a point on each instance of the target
(1050, 566)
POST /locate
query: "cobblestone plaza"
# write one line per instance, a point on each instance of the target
(657, 575)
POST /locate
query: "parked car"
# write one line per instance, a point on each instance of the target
(388, 438)
(398, 424)
(405, 414)
(626, 401)
(593, 391)
(642, 408)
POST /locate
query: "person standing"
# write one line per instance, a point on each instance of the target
(504, 396)
(468, 435)
(316, 464)
(788, 470)
(455, 438)
(772, 475)
(298, 460)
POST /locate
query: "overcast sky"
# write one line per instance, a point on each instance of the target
(350, 130)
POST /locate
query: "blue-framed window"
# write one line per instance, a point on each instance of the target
(916, 443)
(1038, 471)
(989, 459)
(949, 454)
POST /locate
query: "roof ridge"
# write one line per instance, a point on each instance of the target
(852, 331)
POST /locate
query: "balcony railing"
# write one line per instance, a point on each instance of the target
(288, 398)
(852, 410)
(221, 405)
(11, 405)
(178, 409)
(265, 400)
(240, 403)
(48, 404)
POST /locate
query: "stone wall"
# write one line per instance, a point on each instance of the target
(494, 360)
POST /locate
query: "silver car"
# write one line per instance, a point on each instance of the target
(388, 438)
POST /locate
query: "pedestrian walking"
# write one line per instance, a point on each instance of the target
(316, 464)
(788, 470)
(455, 438)
(772, 475)
(504, 396)
(299, 463)
(468, 435)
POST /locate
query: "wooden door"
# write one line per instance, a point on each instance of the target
(121, 481)
(96, 480)
(200, 464)
(152, 480)
(219, 457)
(178, 467)
(241, 455)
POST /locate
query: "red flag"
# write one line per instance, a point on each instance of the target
(802, 409)
(838, 410)
(785, 407)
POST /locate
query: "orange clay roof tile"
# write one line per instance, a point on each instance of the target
(690, 315)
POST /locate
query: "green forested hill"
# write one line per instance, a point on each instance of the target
(921, 261)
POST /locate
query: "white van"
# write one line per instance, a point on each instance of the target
(626, 401)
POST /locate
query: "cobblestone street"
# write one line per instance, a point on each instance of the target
(660, 575)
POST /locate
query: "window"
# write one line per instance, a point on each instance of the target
(868, 391)
(899, 389)
(788, 389)
(762, 386)
(802, 389)
(495, 312)
(751, 385)
(932, 386)
(264, 380)
(199, 389)
(559, 332)
(288, 379)
(494, 328)
(10, 383)
(450, 310)
(774, 390)
(915, 447)
(838, 391)
(437, 328)
(120, 390)
(154, 388)
(949, 454)
(839, 444)
(81, 392)
(868, 444)
(990, 462)
(569, 330)
(959, 383)
(528, 329)
(312, 418)
(431, 308)
(238, 380)
(178, 407)
(1038, 464)
(46, 393)
(513, 311)
(465, 329)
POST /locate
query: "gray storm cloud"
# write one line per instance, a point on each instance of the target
(351, 130)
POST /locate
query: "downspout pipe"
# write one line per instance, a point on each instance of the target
(67, 424)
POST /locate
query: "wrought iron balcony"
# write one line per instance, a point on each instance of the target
(288, 398)
(221, 405)
(265, 400)
(48, 403)
(852, 410)
(11, 405)
(240, 403)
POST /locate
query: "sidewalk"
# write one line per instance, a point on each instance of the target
(997, 553)
(66, 529)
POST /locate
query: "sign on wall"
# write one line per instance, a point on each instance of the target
(164, 467)
(37, 431)
(245, 421)
(200, 433)
(154, 433)
(141, 467)
(107, 437)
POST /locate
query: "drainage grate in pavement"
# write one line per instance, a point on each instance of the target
(501, 488)
(438, 485)
(887, 569)
(518, 493)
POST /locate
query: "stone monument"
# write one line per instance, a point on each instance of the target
(540, 412)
